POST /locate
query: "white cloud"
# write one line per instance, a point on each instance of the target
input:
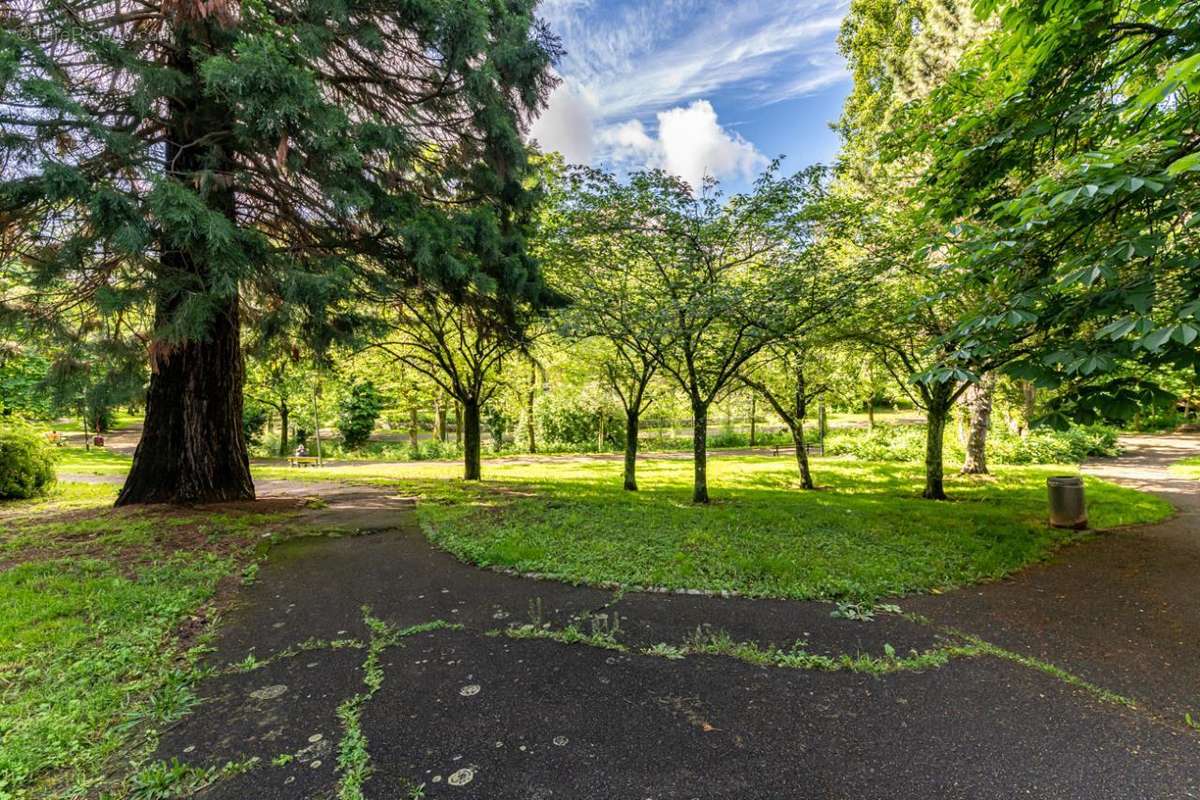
(568, 125)
(694, 145)
(689, 143)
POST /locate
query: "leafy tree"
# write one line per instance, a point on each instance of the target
(174, 159)
(358, 411)
(1064, 169)
(276, 377)
(719, 273)
(612, 300)
(902, 55)
(461, 347)
(785, 384)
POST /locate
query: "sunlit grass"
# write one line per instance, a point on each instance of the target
(91, 602)
(94, 461)
(1188, 467)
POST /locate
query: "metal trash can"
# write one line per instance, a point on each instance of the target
(1068, 508)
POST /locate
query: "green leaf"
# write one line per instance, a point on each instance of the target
(1185, 334)
(1157, 339)
(1189, 163)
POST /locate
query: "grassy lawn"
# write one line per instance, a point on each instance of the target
(96, 461)
(1188, 467)
(865, 535)
(102, 616)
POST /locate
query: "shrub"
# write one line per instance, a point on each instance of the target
(26, 464)
(357, 413)
(254, 421)
(1041, 446)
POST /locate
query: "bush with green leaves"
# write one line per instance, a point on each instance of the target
(357, 412)
(254, 421)
(26, 463)
(1040, 446)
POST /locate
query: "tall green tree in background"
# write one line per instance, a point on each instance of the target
(901, 54)
(169, 159)
(1067, 176)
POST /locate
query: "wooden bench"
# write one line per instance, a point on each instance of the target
(809, 447)
(302, 461)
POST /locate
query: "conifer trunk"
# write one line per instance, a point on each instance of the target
(193, 449)
(700, 453)
(632, 425)
(471, 441)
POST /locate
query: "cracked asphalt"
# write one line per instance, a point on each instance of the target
(466, 713)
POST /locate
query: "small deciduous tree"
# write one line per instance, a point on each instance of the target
(461, 348)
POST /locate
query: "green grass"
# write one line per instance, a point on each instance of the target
(72, 425)
(867, 534)
(96, 461)
(93, 652)
(1188, 467)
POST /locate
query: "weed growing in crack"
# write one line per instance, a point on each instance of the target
(252, 662)
(863, 612)
(571, 634)
(719, 643)
(354, 760)
(987, 648)
(664, 650)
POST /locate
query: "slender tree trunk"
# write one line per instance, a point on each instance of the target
(471, 434)
(871, 414)
(193, 449)
(936, 417)
(414, 429)
(700, 453)
(632, 426)
(529, 400)
(439, 418)
(806, 478)
(753, 421)
(601, 432)
(1029, 394)
(979, 403)
(458, 423)
(284, 412)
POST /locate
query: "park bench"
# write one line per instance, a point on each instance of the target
(812, 448)
(302, 461)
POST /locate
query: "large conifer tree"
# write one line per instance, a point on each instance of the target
(167, 160)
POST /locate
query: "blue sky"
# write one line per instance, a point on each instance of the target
(696, 86)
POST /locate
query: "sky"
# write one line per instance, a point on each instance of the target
(696, 87)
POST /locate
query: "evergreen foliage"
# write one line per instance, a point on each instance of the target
(171, 166)
(357, 413)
